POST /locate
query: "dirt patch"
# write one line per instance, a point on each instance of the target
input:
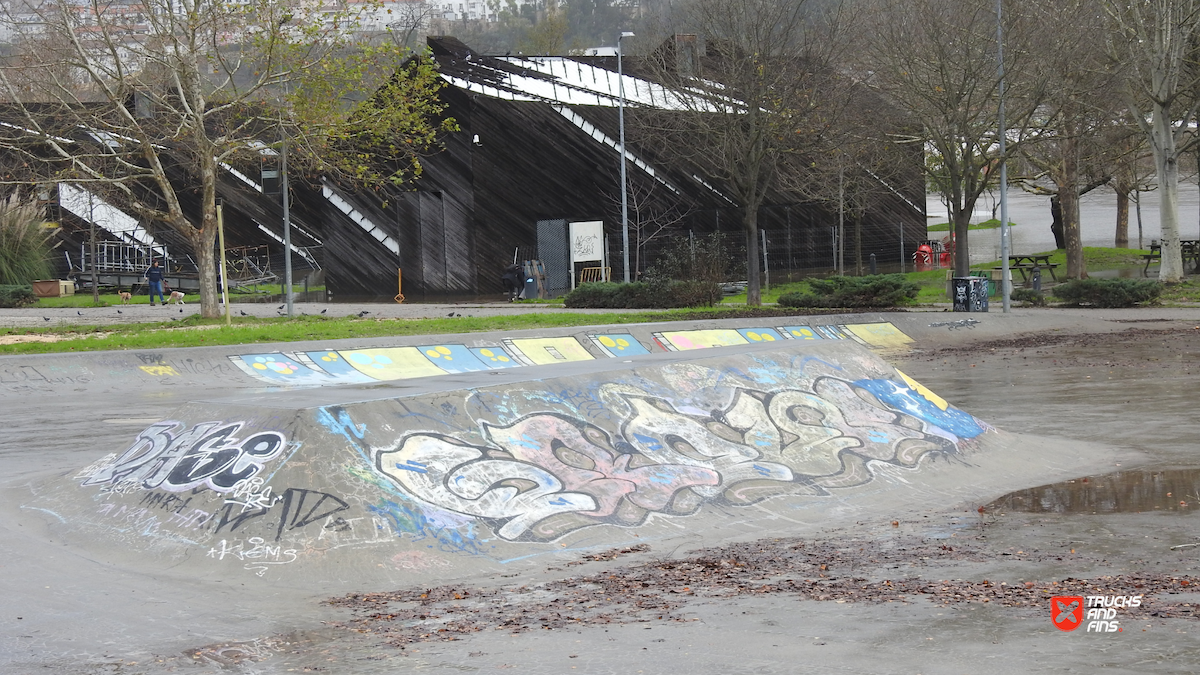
(1125, 347)
(833, 570)
(18, 339)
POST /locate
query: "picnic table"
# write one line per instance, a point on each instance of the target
(1189, 247)
(1026, 264)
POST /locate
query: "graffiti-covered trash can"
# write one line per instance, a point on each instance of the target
(970, 294)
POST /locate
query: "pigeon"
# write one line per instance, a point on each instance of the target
(181, 310)
(451, 315)
(120, 312)
(363, 313)
(79, 312)
(45, 318)
(281, 306)
(325, 310)
(242, 313)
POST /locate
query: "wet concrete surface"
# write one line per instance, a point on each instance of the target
(1133, 389)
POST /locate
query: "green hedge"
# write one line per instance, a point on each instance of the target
(1029, 297)
(880, 290)
(1108, 293)
(16, 296)
(643, 295)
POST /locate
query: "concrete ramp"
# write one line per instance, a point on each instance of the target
(472, 471)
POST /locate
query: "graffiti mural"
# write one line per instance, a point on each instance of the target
(545, 474)
(170, 456)
(362, 366)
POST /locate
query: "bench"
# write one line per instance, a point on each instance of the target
(1026, 270)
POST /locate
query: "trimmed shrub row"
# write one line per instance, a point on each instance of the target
(16, 296)
(880, 290)
(1108, 293)
(644, 295)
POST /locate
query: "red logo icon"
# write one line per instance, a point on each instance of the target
(1066, 611)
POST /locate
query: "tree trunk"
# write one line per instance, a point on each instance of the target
(858, 257)
(1122, 238)
(753, 289)
(962, 252)
(1068, 199)
(202, 243)
(1166, 164)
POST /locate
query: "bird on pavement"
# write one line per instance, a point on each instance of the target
(281, 306)
(45, 318)
(120, 312)
(325, 310)
(363, 313)
(242, 313)
(79, 312)
(181, 310)
(451, 315)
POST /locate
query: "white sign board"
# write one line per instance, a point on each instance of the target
(587, 241)
(587, 244)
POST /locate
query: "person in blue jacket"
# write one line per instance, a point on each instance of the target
(154, 275)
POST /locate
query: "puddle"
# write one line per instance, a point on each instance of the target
(1120, 492)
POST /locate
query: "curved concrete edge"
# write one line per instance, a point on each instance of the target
(370, 360)
(703, 447)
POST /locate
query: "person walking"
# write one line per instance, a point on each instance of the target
(154, 276)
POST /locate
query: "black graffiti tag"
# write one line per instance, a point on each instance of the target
(297, 507)
(208, 454)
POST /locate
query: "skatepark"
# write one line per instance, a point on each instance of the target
(195, 509)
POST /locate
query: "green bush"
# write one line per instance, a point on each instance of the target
(880, 290)
(1029, 296)
(16, 296)
(644, 295)
(1108, 293)
(24, 243)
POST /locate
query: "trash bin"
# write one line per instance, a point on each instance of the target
(970, 294)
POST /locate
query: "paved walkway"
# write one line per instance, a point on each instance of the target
(91, 316)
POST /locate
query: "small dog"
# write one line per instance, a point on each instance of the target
(176, 297)
(125, 297)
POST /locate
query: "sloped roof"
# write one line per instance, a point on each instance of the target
(566, 80)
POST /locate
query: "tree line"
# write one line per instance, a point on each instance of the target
(830, 100)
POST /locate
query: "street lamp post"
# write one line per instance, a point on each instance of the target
(624, 189)
(1005, 280)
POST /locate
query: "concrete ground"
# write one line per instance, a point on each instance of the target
(1097, 391)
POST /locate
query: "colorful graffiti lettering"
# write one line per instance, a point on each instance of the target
(547, 474)
(211, 454)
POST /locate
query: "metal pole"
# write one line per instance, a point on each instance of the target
(621, 124)
(92, 221)
(224, 275)
(1005, 281)
(902, 247)
(841, 231)
(287, 232)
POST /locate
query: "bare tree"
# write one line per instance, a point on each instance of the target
(1068, 145)
(653, 214)
(149, 103)
(935, 60)
(760, 92)
(1156, 41)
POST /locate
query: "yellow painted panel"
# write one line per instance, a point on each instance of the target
(880, 334)
(542, 351)
(392, 363)
(703, 339)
